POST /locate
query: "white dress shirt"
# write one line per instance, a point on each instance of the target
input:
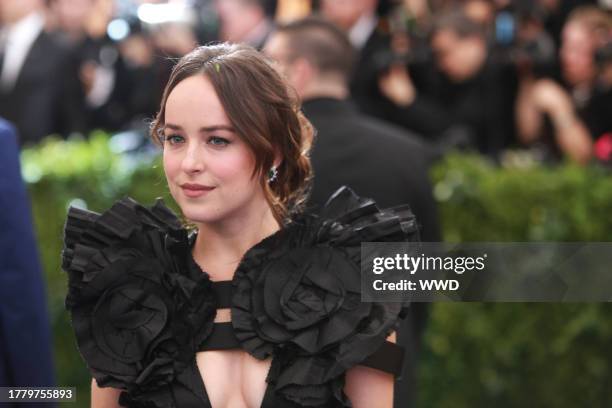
(361, 31)
(18, 39)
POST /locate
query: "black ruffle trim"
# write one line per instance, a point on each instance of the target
(138, 313)
(141, 308)
(297, 297)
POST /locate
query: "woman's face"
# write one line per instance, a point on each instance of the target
(208, 166)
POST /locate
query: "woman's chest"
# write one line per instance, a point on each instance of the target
(233, 378)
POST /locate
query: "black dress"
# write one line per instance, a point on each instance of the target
(141, 307)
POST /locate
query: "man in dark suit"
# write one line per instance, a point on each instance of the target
(377, 160)
(373, 157)
(39, 85)
(25, 339)
(369, 35)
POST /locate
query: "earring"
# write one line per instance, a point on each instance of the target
(272, 174)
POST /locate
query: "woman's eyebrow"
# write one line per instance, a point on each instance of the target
(212, 128)
(171, 126)
(217, 127)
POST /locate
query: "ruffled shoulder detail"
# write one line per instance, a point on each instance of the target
(297, 297)
(138, 313)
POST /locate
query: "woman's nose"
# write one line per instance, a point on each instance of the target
(193, 161)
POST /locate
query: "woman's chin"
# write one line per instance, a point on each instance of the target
(198, 215)
(199, 219)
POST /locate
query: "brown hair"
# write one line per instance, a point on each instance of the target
(262, 110)
(458, 22)
(595, 20)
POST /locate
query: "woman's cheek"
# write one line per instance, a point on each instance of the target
(236, 170)
(171, 169)
(167, 162)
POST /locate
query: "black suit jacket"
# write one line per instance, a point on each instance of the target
(374, 58)
(387, 164)
(46, 97)
(375, 159)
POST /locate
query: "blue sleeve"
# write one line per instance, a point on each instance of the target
(25, 336)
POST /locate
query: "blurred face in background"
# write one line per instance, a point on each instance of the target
(480, 11)
(209, 168)
(459, 58)
(277, 48)
(576, 54)
(237, 18)
(71, 15)
(12, 11)
(345, 13)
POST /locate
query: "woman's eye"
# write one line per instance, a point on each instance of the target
(174, 139)
(218, 141)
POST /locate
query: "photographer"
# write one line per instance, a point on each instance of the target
(465, 88)
(569, 117)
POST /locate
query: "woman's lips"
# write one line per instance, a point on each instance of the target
(195, 190)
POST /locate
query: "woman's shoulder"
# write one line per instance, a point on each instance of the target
(297, 297)
(112, 228)
(137, 312)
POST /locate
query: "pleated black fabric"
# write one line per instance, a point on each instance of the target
(141, 308)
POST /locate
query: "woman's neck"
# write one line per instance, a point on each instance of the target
(219, 247)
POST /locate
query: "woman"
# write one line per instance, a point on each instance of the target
(261, 306)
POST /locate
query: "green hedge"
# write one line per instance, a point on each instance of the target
(474, 355)
(528, 202)
(519, 355)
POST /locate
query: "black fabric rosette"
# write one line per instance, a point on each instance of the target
(138, 313)
(297, 297)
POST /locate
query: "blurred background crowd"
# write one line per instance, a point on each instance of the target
(478, 74)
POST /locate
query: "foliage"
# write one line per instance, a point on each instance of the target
(520, 354)
(482, 202)
(474, 355)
